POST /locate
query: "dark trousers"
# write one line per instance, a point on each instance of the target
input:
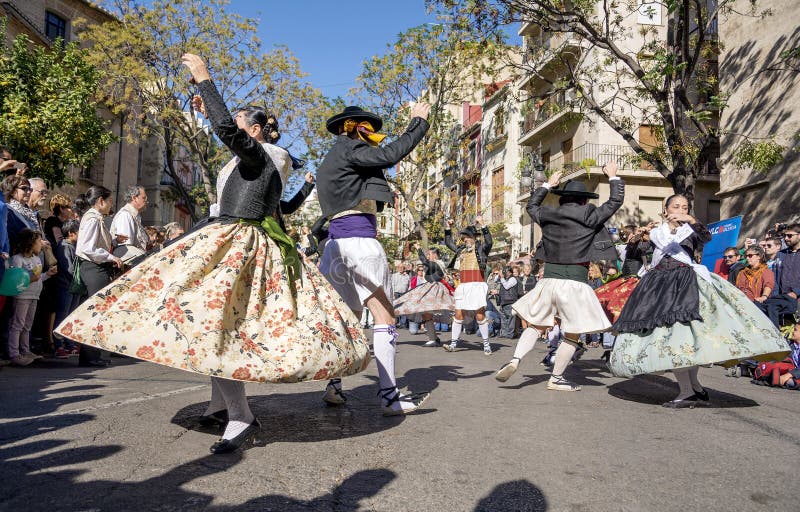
(95, 277)
(774, 307)
(402, 320)
(508, 322)
(65, 304)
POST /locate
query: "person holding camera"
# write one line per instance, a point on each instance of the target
(470, 259)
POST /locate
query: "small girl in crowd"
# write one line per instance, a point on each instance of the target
(66, 301)
(29, 246)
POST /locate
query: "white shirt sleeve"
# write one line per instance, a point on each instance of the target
(123, 224)
(88, 238)
(213, 210)
(509, 283)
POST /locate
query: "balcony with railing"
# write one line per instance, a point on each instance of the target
(544, 113)
(590, 157)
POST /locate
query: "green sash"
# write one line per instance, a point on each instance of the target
(291, 258)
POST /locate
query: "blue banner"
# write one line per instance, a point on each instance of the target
(724, 234)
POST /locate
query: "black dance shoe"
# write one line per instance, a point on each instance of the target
(701, 395)
(229, 445)
(685, 403)
(218, 419)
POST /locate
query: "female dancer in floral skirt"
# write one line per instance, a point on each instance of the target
(231, 300)
(681, 316)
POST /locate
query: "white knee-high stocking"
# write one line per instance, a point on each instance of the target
(239, 414)
(383, 344)
(526, 342)
(456, 332)
(483, 329)
(563, 356)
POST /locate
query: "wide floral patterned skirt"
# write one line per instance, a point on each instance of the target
(614, 294)
(219, 302)
(432, 298)
(732, 328)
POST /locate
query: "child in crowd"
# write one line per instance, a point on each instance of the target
(29, 246)
(66, 301)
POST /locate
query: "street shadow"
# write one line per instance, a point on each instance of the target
(52, 490)
(580, 373)
(428, 379)
(346, 497)
(34, 390)
(655, 390)
(517, 495)
(304, 418)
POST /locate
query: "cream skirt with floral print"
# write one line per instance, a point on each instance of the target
(218, 303)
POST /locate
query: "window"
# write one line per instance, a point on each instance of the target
(500, 122)
(649, 209)
(498, 195)
(649, 140)
(55, 26)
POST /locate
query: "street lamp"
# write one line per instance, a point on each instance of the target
(533, 176)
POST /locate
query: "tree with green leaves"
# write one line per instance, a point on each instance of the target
(143, 80)
(47, 109)
(437, 63)
(630, 74)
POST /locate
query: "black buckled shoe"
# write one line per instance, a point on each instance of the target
(391, 395)
(230, 445)
(684, 403)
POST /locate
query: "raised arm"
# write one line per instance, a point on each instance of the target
(487, 236)
(244, 146)
(389, 155)
(295, 202)
(448, 236)
(598, 216)
(535, 201)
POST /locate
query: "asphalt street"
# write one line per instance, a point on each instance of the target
(123, 438)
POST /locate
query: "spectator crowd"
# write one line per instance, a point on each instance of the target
(49, 244)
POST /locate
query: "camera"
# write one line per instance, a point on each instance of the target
(780, 227)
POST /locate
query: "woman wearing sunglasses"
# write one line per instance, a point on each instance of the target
(756, 280)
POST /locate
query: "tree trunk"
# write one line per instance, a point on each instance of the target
(169, 154)
(683, 181)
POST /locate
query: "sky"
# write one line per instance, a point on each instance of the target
(332, 39)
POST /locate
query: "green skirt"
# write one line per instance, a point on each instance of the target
(732, 329)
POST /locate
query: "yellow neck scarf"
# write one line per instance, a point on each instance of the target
(364, 130)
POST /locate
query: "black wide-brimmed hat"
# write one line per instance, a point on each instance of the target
(469, 231)
(575, 189)
(356, 113)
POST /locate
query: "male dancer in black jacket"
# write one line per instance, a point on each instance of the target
(572, 235)
(352, 189)
(470, 295)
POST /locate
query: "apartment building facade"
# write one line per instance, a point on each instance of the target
(764, 103)
(555, 129)
(122, 164)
